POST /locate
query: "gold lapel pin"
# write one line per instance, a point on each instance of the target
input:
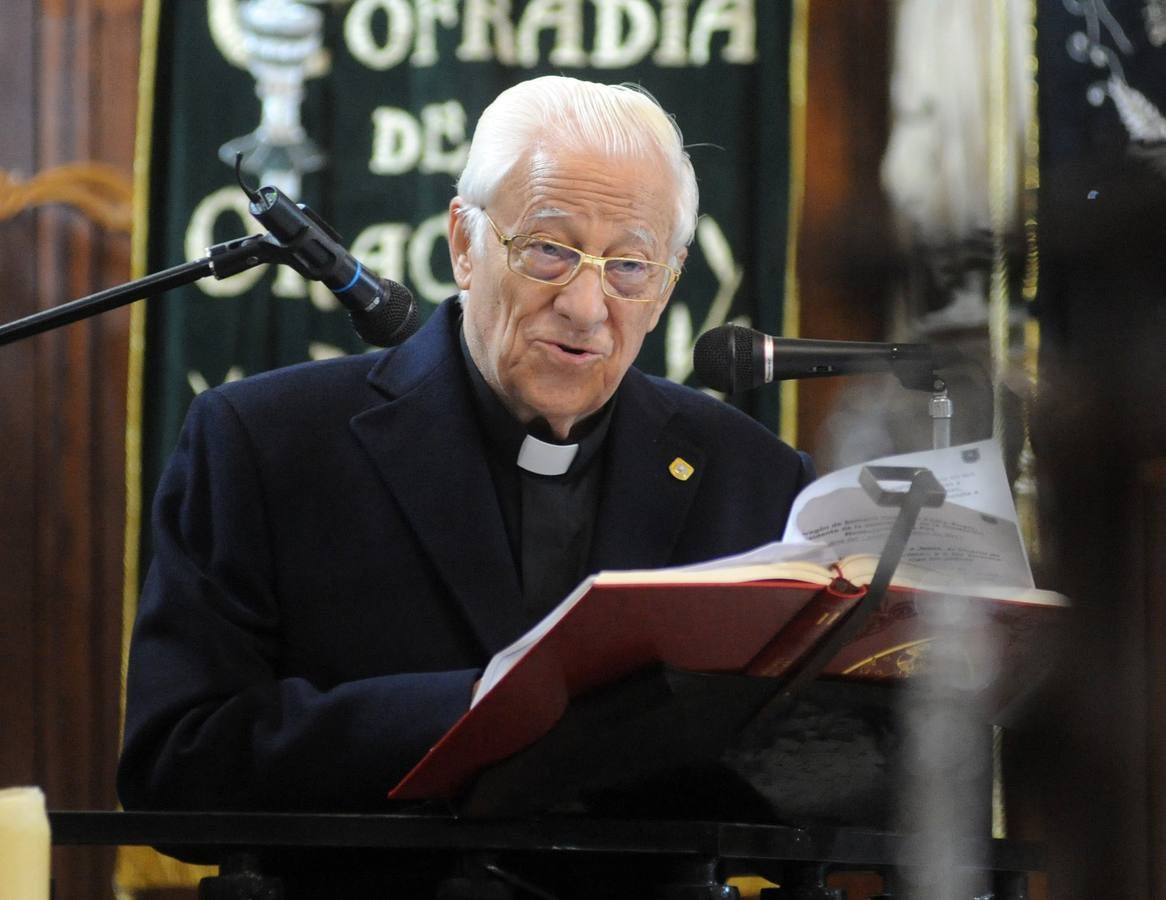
(681, 469)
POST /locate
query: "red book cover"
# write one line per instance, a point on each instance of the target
(611, 631)
(993, 641)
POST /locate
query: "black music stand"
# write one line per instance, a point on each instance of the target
(653, 734)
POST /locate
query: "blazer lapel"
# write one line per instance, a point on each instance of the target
(426, 445)
(644, 503)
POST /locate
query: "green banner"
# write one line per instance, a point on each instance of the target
(391, 90)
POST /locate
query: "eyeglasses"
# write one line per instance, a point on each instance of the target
(550, 262)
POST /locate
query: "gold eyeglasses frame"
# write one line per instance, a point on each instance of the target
(600, 262)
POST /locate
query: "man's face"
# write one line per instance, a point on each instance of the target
(560, 352)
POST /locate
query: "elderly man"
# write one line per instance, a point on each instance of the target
(341, 546)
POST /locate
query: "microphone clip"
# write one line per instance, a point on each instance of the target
(918, 375)
(383, 312)
(291, 228)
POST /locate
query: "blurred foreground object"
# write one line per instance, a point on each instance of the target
(24, 844)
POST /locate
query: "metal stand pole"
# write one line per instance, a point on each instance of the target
(222, 261)
(939, 408)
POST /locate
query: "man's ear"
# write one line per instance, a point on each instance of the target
(658, 306)
(459, 244)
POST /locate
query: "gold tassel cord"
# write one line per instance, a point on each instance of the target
(100, 192)
(791, 310)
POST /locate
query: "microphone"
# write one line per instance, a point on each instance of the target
(383, 312)
(732, 358)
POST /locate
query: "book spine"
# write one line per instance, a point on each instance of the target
(815, 620)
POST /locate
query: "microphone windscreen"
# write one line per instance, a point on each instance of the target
(391, 321)
(723, 358)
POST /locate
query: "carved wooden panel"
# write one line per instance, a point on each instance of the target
(66, 151)
(843, 255)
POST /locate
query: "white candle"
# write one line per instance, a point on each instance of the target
(24, 844)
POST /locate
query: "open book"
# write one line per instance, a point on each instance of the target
(762, 612)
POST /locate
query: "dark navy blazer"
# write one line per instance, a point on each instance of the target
(332, 571)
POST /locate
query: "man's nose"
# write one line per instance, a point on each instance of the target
(582, 299)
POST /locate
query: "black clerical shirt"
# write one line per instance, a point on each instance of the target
(550, 519)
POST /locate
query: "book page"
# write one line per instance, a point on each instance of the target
(973, 536)
(814, 553)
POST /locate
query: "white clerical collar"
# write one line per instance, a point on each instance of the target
(540, 458)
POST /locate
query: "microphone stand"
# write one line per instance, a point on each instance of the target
(923, 377)
(940, 409)
(222, 261)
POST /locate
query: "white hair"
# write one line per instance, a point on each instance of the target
(620, 120)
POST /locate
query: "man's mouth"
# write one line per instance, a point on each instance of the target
(580, 354)
(572, 349)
